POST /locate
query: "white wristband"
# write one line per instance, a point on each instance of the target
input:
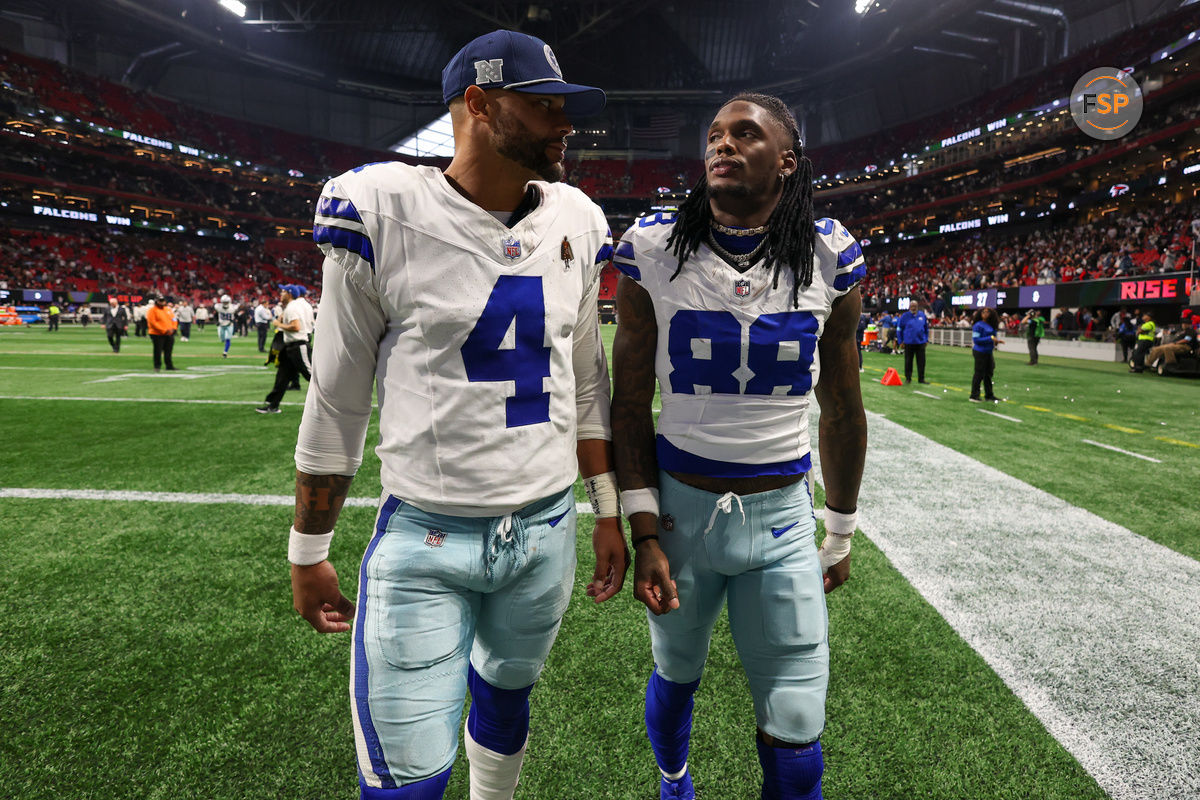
(837, 522)
(306, 549)
(635, 501)
(602, 491)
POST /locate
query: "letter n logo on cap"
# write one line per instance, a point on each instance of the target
(489, 71)
(552, 61)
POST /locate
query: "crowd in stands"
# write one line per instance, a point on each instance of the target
(1141, 242)
(105, 174)
(103, 102)
(606, 177)
(98, 260)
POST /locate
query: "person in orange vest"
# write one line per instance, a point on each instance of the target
(161, 323)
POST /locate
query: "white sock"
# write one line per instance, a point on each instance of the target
(674, 776)
(493, 776)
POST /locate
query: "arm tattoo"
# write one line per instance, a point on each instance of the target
(633, 387)
(319, 500)
(843, 426)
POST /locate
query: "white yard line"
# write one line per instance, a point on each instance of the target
(66, 369)
(994, 414)
(930, 396)
(1119, 450)
(143, 400)
(188, 497)
(1093, 627)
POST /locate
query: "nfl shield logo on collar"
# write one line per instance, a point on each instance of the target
(435, 538)
(512, 247)
(741, 288)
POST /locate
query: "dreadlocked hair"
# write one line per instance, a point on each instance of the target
(791, 234)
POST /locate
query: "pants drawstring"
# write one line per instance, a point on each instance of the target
(724, 505)
(507, 535)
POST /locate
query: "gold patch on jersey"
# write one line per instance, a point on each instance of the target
(566, 254)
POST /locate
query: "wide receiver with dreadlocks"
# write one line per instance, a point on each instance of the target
(740, 304)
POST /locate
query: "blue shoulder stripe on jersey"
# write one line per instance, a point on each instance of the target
(672, 459)
(373, 163)
(353, 241)
(846, 280)
(359, 679)
(630, 270)
(342, 209)
(849, 255)
(625, 249)
(824, 225)
(605, 254)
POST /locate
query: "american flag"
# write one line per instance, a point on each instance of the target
(651, 131)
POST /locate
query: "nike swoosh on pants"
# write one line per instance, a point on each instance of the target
(777, 532)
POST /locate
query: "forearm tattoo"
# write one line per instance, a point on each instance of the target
(319, 500)
(633, 384)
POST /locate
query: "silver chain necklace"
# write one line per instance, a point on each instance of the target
(738, 260)
(728, 231)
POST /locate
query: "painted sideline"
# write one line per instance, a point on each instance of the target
(1093, 627)
(188, 497)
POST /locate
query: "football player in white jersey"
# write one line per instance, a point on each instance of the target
(469, 299)
(741, 305)
(225, 311)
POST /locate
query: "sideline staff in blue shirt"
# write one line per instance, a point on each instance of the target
(912, 330)
(983, 346)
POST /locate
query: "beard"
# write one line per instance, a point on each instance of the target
(739, 190)
(515, 142)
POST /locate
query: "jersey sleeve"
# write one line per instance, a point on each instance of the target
(840, 257)
(625, 257)
(346, 343)
(339, 230)
(346, 347)
(590, 363)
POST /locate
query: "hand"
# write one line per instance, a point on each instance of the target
(837, 574)
(612, 559)
(652, 584)
(315, 595)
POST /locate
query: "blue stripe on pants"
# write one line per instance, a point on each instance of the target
(371, 737)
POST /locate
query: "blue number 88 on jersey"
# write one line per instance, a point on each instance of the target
(724, 333)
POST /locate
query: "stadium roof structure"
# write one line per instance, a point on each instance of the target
(903, 57)
(637, 51)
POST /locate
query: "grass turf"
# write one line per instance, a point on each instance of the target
(150, 650)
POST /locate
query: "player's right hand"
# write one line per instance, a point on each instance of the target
(652, 584)
(315, 595)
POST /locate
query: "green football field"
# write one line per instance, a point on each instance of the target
(148, 647)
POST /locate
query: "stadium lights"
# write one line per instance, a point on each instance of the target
(235, 6)
(863, 6)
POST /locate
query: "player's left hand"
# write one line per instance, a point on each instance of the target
(837, 574)
(612, 559)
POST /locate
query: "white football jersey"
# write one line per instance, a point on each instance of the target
(225, 313)
(483, 340)
(736, 361)
(297, 309)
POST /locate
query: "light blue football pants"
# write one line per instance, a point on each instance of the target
(758, 553)
(434, 592)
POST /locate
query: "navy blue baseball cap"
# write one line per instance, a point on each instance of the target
(510, 60)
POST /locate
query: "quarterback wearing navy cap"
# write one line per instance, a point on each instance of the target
(468, 298)
(520, 63)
